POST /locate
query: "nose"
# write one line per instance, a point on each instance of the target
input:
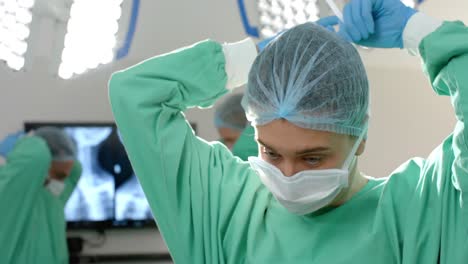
(288, 168)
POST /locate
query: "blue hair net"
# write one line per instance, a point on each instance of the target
(230, 114)
(312, 78)
(61, 146)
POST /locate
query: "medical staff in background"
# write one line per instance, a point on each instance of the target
(38, 176)
(233, 128)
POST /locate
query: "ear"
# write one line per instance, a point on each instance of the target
(361, 148)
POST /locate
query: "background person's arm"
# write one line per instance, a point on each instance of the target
(71, 182)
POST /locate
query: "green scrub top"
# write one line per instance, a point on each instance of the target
(212, 208)
(246, 146)
(32, 221)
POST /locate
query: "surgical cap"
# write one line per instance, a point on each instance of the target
(312, 78)
(60, 144)
(230, 114)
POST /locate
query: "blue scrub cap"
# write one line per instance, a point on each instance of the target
(312, 78)
(230, 114)
(61, 146)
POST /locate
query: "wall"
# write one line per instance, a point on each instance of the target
(407, 118)
(123, 241)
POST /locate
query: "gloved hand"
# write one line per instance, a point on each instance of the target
(372, 23)
(330, 23)
(8, 143)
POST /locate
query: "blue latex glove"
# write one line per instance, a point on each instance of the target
(330, 23)
(8, 143)
(372, 23)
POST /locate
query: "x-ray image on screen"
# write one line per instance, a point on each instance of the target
(93, 198)
(108, 191)
(130, 201)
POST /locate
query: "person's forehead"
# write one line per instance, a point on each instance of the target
(297, 146)
(62, 165)
(286, 137)
(228, 132)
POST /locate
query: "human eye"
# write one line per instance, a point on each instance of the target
(313, 160)
(270, 154)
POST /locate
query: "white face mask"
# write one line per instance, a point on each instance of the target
(55, 187)
(306, 191)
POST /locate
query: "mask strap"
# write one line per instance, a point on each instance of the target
(350, 158)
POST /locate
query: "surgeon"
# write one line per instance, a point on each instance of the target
(36, 181)
(234, 129)
(304, 199)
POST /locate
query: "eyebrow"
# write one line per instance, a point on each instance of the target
(301, 152)
(265, 145)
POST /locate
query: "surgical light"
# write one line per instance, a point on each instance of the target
(15, 18)
(91, 37)
(278, 15)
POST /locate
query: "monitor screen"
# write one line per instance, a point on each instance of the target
(108, 193)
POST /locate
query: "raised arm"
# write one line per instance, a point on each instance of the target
(182, 175)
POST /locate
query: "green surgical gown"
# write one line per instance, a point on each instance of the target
(246, 146)
(212, 208)
(32, 221)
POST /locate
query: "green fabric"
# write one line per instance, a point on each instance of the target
(212, 208)
(246, 146)
(32, 222)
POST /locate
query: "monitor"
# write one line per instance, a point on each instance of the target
(108, 194)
